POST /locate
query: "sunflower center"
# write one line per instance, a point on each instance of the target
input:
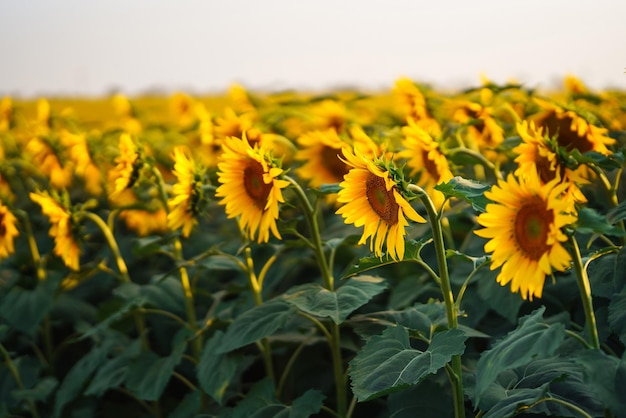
(430, 166)
(381, 200)
(331, 161)
(567, 138)
(532, 224)
(546, 174)
(3, 228)
(253, 182)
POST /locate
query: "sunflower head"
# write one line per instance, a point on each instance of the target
(128, 166)
(524, 227)
(8, 231)
(373, 196)
(251, 187)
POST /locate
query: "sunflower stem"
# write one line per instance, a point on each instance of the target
(329, 284)
(266, 348)
(32, 245)
(18, 380)
(455, 375)
(121, 266)
(585, 294)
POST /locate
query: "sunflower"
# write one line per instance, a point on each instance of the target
(6, 113)
(250, 187)
(536, 154)
(425, 157)
(413, 105)
(79, 153)
(372, 198)
(572, 131)
(523, 226)
(482, 129)
(8, 231)
(62, 228)
(182, 108)
(184, 205)
(145, 216)
(46, 155)
(320, 152)
(129, 162)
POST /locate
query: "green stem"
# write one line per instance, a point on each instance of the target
(446, 291)
(18, 380)
(123, 270)
(32, 245)
(266, 348)
(555, 400)
(189, 300)
(289, 365)
(585, 294)
(329, 284)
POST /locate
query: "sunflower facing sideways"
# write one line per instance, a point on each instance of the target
(62, 228)
(8, 231)
(372, 197)
(251, 188)
(187, 193)
(523, 226)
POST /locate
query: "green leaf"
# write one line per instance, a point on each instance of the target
(25, 308)
(39, 393)
(532, 338)
(215, 370)
(127, 307)
(114, 371)
(316, 300)
(606, 162)
(411, 253)
(388, 363)
(617, 314)
(425, 400)
(605, 273)
(260, 402)
(79, 374)
(325, 189)
(591, 222)
(424, 318)
(189, 406)
(257, 323)
(554, 377)
(149, 373)
(618, 213)
(473, 192)
(605, 376)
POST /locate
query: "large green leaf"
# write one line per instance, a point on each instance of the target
(554, 378)
(590, 222)
(532, 338)
(78, 375)
(388, 363)
(425, 318)
(189, 406)
(316, 300)
(215, 370)
(411, 253)
(149, 373)
(39, 393)
(257, 323)
(260, 402)
(25, 308)
(471, 191)
(114, 371)
(605, 376)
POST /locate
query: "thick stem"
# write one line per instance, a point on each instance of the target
(189, 300)
(585, 294)
(446, 291)
(329, 284)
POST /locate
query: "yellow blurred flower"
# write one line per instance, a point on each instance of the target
(45, 156)
(572, 131)
(8, 231)
(330, 114)
(372, 198)
(128, 166)
(413, 105)
(145, 218)
(240, 99)
(523, 226)
(232, 124)
(85, 168)
(251, 188)
(187, 193)
(483, 132)
(534, 155)
(424, 156)
(182, 107)
(320, 151)
(6, 113)
(62, 228)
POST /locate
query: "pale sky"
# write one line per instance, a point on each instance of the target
(81, 47)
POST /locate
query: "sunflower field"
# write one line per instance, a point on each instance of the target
(406, 253)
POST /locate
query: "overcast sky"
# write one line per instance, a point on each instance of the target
(80, 47)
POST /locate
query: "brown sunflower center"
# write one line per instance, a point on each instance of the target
(532, 224)
(567, 138)
(430, 166)
(381, 200)
(253, 182)
(546, 174)
(331, 161)
(3, 228)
